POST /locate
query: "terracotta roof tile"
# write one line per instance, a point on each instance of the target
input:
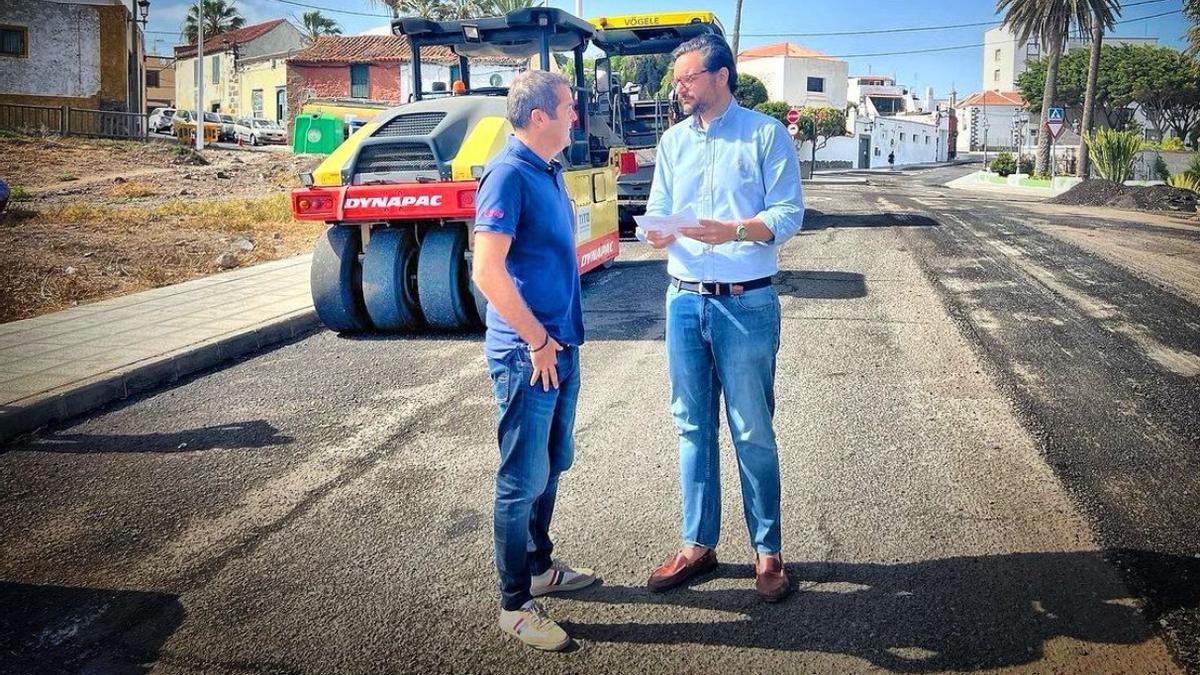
(787, 49)
(375, 48)
(993, 98)
(216, 43)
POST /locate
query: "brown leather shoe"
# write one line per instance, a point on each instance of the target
(678, 570)
(770, 580)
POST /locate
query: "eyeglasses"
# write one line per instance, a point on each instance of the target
(687, 80)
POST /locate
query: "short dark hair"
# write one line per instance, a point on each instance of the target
(715, 53)
(534, 89)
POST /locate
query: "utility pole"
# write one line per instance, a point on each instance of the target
(579, 8)
(199, 74)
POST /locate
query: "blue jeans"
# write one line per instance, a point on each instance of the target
(536, 436)
(725, 344)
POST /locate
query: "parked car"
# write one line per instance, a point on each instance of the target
(161, 120)
(227, 124)
(181, 117)
(256, 130)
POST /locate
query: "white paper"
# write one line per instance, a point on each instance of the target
(668, 224)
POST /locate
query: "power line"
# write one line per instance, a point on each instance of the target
(881, 31)
(914, 29)
(972, 46)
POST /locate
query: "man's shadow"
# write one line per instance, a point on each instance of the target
(952, 614)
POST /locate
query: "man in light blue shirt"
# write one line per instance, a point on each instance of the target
(737, 169)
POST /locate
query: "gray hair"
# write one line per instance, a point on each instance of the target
(533, 89)
(714, 53)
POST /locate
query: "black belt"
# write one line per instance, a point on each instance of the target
(720, 288)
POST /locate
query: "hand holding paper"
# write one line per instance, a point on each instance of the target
(665, 225)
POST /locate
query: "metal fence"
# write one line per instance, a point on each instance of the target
(65, 120)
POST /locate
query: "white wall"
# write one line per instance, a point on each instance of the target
(434, 72)
(64, 49)
(1013, 57)
(786, 79)
(835, 74)
(999, 128)
(770, 71)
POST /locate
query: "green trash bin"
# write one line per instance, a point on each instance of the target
(318, 133)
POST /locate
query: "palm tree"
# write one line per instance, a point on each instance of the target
(502, 7)
(1050, 21)
(1192, 9)
(1099, 25)
(219, 17)
(737, 27)
(466, 9)
(428, 9)
(316, 24)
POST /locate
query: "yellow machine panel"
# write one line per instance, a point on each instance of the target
(651, 20)
(329, 172)
(484, 141)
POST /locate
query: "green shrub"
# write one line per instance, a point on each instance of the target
(1113, 152)
(776, 109)
(1025, 165)
(1160, 168)
(1185, 181)
(1194, 168)
(750, 91)
(1171, 144)
(1004, 164)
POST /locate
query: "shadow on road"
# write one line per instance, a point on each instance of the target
(815, 221)
(821, 285)
(252, 434)
(952, 614)
(83, 630)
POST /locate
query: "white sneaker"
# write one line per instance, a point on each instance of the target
(560, 579)
(531, 625)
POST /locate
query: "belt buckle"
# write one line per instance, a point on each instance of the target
(704, 288)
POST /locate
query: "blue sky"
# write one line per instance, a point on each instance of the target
(764, 22)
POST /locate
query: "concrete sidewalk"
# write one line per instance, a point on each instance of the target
(901, 168)
(56, 366)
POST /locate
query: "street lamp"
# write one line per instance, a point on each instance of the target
(984, 126)
(144, 11)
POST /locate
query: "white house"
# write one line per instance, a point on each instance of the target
(797, 75)
(999, 117)
(1004, 59)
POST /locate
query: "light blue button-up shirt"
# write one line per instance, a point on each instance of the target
(741, 167)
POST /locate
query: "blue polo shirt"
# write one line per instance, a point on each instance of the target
(524, 197)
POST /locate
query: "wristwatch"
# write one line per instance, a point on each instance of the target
(741, 231)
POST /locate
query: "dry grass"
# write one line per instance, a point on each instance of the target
(132, 190)
(55, 257)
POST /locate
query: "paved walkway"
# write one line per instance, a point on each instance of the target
(62, 364)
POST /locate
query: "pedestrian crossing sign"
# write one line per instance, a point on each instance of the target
(1055, 121)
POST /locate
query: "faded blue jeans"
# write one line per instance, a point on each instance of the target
(725, 344)
(536, 432)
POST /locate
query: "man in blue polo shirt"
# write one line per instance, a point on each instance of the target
(524, 263)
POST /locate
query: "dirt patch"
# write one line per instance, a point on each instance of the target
(1101, 192)
(97, 219)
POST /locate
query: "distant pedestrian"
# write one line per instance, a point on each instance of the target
(891, 160)
(525, 267)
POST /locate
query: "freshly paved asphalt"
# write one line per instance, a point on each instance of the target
(988, 444)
